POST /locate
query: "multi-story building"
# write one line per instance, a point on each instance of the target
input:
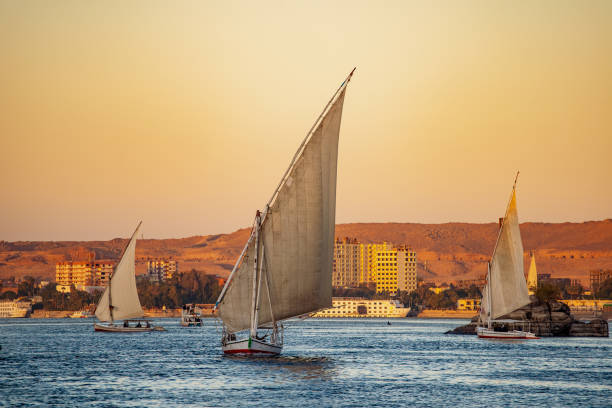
(348, 263)
(83, 275)
(370, 252)
(395, 269)
(160, 270)
(389, 268)
(598, 277)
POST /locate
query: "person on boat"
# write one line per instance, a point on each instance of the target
(148, 325)
(125, 324)
(138, 325)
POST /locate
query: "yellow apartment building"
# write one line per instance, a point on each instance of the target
(82, 274)
(395, 269)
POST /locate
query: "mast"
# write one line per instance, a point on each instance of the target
(490, 311)
(258, 290)
(255, 265)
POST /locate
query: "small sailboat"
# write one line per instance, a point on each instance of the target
(285, 268)
(532, 276)
(120, 298)
(506, 288)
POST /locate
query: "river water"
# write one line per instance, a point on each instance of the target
(335, 362)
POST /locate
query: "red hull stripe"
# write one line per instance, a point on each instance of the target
(508, 338)
(247, 351)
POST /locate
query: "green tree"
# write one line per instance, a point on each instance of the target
(9, 294)
(547, 292)
(605, 290)
(27, 287)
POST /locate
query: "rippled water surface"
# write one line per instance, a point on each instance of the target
(325, 362)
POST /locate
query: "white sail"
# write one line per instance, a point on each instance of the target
(120, 299)
(297, 235)
(532, 276)
(508, 289)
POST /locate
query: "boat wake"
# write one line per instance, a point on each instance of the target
(307, 368)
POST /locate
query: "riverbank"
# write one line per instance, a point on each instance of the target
(446, 314)
(60, 314)
(544, 319)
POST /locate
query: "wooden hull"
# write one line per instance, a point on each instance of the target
(484, 333)
(120, 329)
(251, 347)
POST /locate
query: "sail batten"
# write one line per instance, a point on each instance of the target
(120, 298)
(297, 232)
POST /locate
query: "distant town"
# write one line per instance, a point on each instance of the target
(368, 279)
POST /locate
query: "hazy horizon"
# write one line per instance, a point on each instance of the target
(185, 115)
(143, 235)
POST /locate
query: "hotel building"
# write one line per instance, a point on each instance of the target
(160, 270)
(348, 264)
(371, 251)
(83, 275)
(395, 269)
(389, 268)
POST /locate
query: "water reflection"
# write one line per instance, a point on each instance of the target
(305, 368)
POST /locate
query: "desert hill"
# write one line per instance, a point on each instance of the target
(445, 252)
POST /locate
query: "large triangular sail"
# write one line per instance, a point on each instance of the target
(120, 298)
(506, 288)
(296, 236)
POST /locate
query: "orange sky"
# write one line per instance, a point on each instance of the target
(185, 114)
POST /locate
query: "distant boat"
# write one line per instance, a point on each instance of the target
(284, 270)
(506, 289)
(360, 307)
(15, 308)
(120, 298)
(80, 314)
(191, 315)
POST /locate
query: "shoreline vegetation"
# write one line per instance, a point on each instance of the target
(165, 299)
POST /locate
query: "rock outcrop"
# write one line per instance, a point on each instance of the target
(545, 320)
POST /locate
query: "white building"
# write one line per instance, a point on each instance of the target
(15, 308)
(359, 307)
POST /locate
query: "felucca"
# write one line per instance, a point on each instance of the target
(506, 289)
(285, 268)
(120, 298)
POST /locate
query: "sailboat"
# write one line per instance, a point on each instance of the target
(506, 289)
(120, 298)
(285, 268)
(532, 276)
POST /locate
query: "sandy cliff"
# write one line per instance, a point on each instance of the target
(452, 251)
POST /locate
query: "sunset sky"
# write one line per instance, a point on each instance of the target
(185, 114)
